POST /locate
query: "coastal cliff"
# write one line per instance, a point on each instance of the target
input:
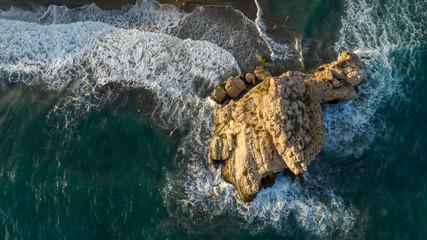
(277, 125)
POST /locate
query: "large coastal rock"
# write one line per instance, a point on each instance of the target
(277, 125)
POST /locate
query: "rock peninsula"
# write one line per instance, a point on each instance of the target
(273, 124)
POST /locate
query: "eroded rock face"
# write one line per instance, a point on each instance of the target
(338, 80)
(273, 127)
(277, 125)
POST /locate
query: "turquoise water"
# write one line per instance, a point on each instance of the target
(105, 118)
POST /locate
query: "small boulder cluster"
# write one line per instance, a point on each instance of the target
(236, 85)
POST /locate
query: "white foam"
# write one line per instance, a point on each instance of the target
(277, 50)
(224, 26)
(15, 13)
(146, 15)
(86, 56)
(314, 207)
(383, 41)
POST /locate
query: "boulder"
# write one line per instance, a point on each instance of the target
(262, 74)
(234, 87)
(250, 78)
(219, 95)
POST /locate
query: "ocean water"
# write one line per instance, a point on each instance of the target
(105, 119)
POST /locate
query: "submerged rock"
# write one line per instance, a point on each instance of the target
(262, 59)
(277, 125)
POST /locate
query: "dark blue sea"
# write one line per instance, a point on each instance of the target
(105, 119)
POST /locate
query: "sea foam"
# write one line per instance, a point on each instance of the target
(382, 41)
(277, 51)
(228, 28)
(84, 57)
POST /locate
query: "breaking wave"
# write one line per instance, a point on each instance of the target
(228, 28)
(313, 207)
(86, 57)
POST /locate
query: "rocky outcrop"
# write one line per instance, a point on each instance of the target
(338, 80)
(277, 125)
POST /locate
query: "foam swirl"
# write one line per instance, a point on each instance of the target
(382, 41)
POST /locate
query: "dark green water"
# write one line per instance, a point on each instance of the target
(79, 161)
(99, 178)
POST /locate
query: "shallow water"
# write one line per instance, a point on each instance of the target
(105, 118)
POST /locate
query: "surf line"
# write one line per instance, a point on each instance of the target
(277, 50)
(261, 29)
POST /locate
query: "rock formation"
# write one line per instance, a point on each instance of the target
(277, 125)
